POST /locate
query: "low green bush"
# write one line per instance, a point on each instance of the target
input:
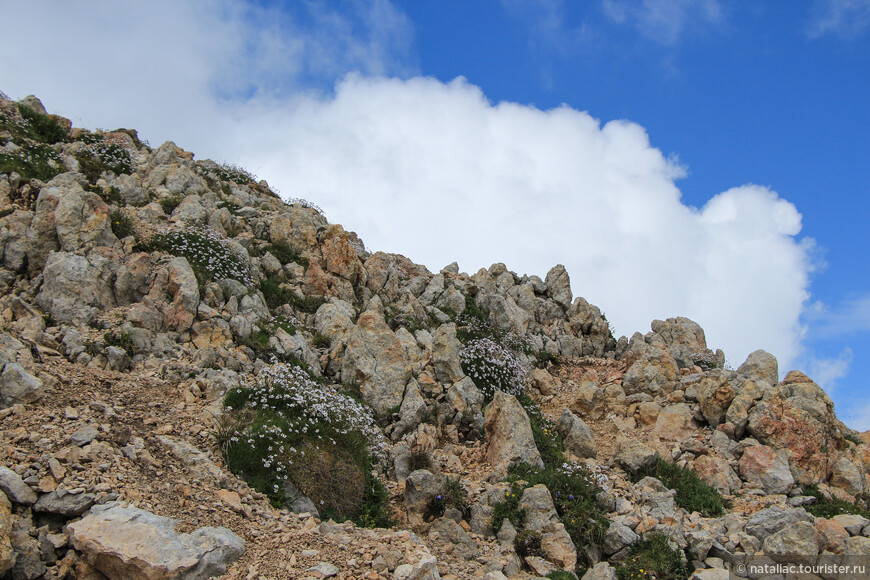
(284, 427)
(32, 162)
(828, 508)
(693, 494)
(122, 225)
(41, 127)
(653, 558)
(168, 204)
(575, 495)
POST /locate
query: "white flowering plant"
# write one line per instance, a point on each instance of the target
(284, 427)
(493, 367)
(210, 256)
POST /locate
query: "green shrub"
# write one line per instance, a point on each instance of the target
(122, 225)
(562, 575)
(284, 427)
(102, 157)
(693, 494)
(41, 127)
(275, 295)
(321, 341)
(32, 162)
(851, 437)
(420, 459)
(168, 204)
(574, 491)
(284, 254)
(828, 508)
(653, 558)
(210, 256)
(121, 340)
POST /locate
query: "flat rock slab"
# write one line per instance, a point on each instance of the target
(127, 542)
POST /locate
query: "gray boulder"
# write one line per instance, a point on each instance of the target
(773, 519)
(509, 437)
(63, 503)
(760, 366)
(18, 386)
(76, 289)
(577, 435)
(133, 543)
(14, 487)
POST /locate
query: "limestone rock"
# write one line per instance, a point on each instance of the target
(718, 473)
(715, 394)
(17, 386)
(761, 465)
(509, 436)
(773, 519)
(75, 289)
(196, 461)
(760, 366)
(376, 360)
(654, 372)
(600, 571)
(675, 422)
(633, 455)
(798, 542)
(14, 487)
(559, 286)
(445, 354)
(136, 544)
(64, 503)
(7, 555)
(577, 435)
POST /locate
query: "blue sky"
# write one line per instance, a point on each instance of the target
(706, 158)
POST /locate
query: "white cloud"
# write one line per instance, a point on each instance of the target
(435, 171)
(665, 21)
(856, 417)
(845, 18)
(429, 169)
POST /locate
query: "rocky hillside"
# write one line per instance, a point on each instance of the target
(199, 378)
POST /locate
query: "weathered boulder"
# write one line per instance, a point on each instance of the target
(797, 543)
(849, 477)
(182, 286)
(762, 466)
(541, 517)
(654, 372)
(14, 487)
(297, 227)
(633, 455)
(760, 366)
(600, 571)
(577, 435)
(377, 361)
(559, 286)
(715, 394)
(82, 221)
(421, 488)
(773, 519)
(718, 473)
(76, 289)
(17, 386)
(200, 466)
(675, 422)
(681, 331)
(445, 354)
(63, 503)
(509, 437)
(127, 542)
(7, 554)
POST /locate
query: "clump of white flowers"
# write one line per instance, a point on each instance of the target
(286, 428)
(492, 367)
(207, 252)
(304, 203)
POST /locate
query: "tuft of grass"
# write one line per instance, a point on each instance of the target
(275, 296)
(122, 224)
(653, 558)
(561, 575)
(169, 204)
(120, 339)
(828, 508)
(454, 496)
(321, 341)
(693, 494)
(420, 459)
